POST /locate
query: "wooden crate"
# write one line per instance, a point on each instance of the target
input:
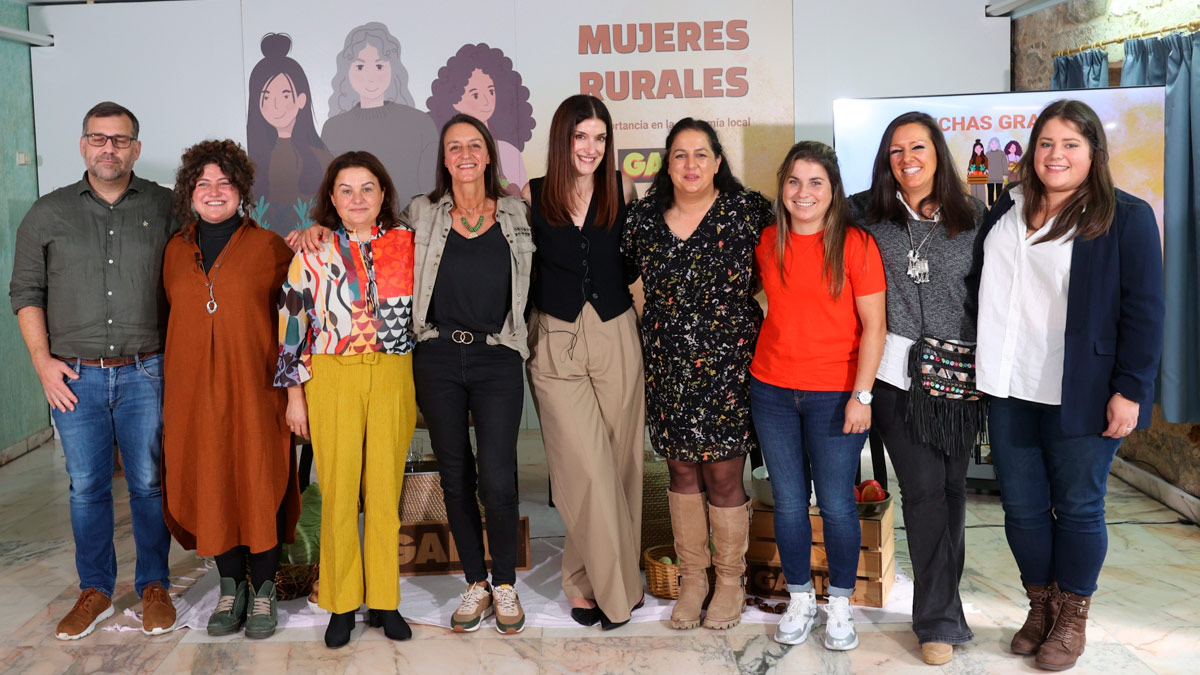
(427, 547)
(765, 580)
(876, 564)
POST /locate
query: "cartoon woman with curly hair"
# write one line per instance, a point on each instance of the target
(371, 109)
(480, 81)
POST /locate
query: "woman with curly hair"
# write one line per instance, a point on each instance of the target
(480, 81)
(281, 137)
(229, 480)
(371, 107)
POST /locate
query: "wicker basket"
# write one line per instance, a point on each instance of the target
(294, 581)
(656, 510)
(421, 494)
(662, 579)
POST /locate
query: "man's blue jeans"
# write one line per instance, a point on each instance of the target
(799, 431)
(1052, 487)
(122, 404)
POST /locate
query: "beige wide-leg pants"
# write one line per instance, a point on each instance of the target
(588, 385)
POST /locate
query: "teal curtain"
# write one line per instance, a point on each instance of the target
(1086, 70)
(1174, 60)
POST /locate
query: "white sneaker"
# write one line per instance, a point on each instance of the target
(798, 620)
(839, 625)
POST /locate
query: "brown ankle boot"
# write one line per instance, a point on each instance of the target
(1043, 608)
(1065, 643)
(731, 538)
(689, 524)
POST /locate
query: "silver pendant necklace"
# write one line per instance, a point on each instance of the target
(918, 267)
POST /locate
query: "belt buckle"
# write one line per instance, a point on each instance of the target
(462, 337)
(102, 363)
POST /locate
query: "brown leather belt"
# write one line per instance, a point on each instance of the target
(109, 361)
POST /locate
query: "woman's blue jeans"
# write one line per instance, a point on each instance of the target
(122, 404)
(1052, 487)
(802, 440)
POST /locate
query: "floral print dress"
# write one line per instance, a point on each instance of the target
(699, 325)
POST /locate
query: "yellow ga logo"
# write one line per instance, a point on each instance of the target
(641, 164)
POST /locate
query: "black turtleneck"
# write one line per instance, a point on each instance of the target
(212, 237)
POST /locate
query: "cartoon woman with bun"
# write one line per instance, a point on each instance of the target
(281, 137)
(978, 165)
(480, 81)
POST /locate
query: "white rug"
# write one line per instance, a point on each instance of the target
(431, 600)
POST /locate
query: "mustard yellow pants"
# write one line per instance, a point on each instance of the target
(362, 411)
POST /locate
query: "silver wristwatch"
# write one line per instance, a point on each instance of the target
(863, 397)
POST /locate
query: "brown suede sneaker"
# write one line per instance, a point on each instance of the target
(158, 612)
(90, 609)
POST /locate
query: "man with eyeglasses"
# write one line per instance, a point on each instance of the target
(87, 291)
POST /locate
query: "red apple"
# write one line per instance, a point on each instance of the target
(873, 493)
(857, 494)
(874, 482)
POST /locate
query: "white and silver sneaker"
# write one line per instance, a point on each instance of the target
(839, 625)
(798, 620)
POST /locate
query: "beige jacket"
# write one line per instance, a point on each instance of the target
(431, 222)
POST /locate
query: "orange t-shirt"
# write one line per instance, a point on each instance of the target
(809, 340)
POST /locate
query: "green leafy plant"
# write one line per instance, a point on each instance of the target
(259, 212)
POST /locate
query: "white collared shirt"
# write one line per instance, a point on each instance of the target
(1023, 310)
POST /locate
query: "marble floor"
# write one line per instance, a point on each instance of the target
(1145, 617)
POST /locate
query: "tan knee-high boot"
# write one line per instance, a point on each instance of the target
(689, 523)
(731, 537)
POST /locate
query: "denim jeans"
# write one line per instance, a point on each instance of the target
(1052, 487)
(799, 431)
(487, 382)
(122, 404)
(933, 487)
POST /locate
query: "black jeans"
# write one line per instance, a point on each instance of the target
(453, 380)
(933, 489)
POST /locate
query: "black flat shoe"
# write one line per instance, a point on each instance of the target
(586, 616)
(394, 625)
(337, 634)
(605, 624)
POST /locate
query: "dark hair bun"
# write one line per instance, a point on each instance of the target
(276, 45)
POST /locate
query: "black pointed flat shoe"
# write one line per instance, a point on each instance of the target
(394, 625)
(337, 634)
(605, 624)
(586, 616)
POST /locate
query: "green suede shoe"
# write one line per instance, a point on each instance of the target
(231, 608)
(264, 614)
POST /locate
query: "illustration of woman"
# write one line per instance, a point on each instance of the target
(480, 81)
(1012, 152)
(998, 161)
(281, 137)
(979, 163)
(371, 109)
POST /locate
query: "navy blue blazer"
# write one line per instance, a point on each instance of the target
(1115, 310)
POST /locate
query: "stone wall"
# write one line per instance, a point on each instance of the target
(1171, 451)
(1081, 22)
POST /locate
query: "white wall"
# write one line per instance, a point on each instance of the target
(176, 65)
(180, 66)
(875, 48)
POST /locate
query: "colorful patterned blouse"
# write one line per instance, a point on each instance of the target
(351, 298)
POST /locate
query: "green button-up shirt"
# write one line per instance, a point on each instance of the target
(96, 268)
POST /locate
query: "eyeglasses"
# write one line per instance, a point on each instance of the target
(100, 140)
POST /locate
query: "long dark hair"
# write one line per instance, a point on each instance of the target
(949, 193)
(662, 191)
(558, 187)
(1091, 209)
(324, 212)
(837, 219)
(491, 173)
(261, 136)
